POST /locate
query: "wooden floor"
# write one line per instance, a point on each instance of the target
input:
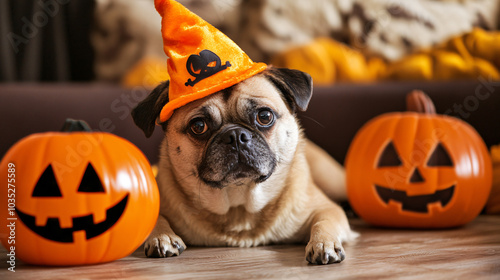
(470, 252)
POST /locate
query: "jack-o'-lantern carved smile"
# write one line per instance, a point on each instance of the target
(415, 203)
(47, 187)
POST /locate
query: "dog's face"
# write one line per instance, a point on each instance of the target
(242, 136)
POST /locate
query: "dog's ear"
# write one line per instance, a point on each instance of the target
(148, 110)
(294, 85)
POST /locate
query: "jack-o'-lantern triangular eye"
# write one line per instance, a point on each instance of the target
(90, 181)
(389, 157)
(47, 185)
(440, 157)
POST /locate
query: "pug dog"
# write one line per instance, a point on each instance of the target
(233, 171)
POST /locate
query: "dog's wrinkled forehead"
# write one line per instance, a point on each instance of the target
(235, 103)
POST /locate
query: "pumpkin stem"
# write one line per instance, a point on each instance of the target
(71, 125)
(418, 101)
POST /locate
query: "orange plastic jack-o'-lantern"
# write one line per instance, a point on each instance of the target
(418, 170)
(76, 197)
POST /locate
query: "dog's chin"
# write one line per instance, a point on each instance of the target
(238, 177)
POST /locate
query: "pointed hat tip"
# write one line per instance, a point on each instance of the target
(202, 60)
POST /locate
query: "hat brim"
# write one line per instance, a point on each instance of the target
(170, 107)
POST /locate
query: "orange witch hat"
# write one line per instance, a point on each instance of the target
(201, 59)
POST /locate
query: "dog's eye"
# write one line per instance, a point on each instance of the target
(198, 126)
(265, 117)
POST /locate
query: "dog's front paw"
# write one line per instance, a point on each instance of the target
(163, 245)
(324, 252)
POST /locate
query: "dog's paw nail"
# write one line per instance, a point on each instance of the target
(309, 257)
(340, 252)
(156, 253)
(179, 247)
(169, 254)
(325, 258)
(321, 259)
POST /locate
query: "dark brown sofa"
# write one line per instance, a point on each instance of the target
(334, 115)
